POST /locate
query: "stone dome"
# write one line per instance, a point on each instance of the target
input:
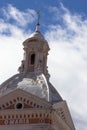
(36, 84)
(37, 35)
(36, 38)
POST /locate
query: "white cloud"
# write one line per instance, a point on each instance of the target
(21, 18)
(67, 60)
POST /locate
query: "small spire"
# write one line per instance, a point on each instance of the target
(38, 24)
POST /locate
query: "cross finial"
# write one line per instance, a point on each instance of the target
(38, 15)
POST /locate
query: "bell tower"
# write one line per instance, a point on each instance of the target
(35, 54)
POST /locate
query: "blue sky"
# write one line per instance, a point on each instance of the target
(74, 6)
(64, 25)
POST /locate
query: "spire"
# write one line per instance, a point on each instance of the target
(38, 24)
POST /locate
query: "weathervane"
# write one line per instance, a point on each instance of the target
(38, 15)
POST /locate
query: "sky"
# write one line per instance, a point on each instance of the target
(64, 25)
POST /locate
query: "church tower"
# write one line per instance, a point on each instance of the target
(35, 54)
(28, 101)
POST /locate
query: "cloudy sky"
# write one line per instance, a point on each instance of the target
(64, 25)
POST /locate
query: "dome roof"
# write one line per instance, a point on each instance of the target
(32, 83)
(37, 35)
(34, 37)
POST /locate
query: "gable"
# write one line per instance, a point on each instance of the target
(19, 99)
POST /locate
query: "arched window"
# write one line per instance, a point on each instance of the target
(32, 59)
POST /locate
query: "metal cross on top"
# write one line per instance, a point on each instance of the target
(38, 15)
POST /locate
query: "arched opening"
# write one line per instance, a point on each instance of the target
(32, 60)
